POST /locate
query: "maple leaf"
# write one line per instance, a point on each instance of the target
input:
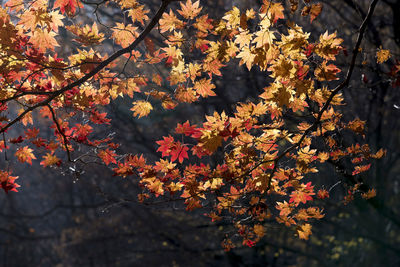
(190, 10)
(186, 129)
(43, 40)
(24, 154)
(68, 6)
(49, 159)
(16, 5)
(328, 46)
(360, 169)
(304, 231)
(322, 194)
(179, 152)
(87, 35)
(7, 182)
(299, 196)
(210, 140)
(128, 3)
(326, 72)
(274, 10)
(17, 140)
(382, 55)
(81, 132)
(170, 22)
(315, 11)
(204, 87)
(246, 57)
(31, 133)
(302, 195)
(284, 207)
(369, 194)
(99, 118)
(123, 34)
(165, 145)
(138, 13)
(141, 108)
(108, 156)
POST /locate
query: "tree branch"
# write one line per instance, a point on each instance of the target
(98, 68)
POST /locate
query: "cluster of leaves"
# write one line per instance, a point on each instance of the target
(263, 159)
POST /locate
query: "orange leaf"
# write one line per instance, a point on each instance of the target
(204, 87)
(304, 231)
(49, 160)
(24, 154)
(315, 11)
(108, 156)
(190, 10)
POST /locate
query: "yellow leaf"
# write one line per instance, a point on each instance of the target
(304, 231)
(141, 108)
(382, 55)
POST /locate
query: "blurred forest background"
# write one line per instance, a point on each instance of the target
(87, 217)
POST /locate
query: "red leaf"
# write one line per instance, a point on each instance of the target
(179, 152)
(108, 156)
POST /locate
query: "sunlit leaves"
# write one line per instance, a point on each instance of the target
(7, 182)
(68, 6)
(123, 34)
(304, 231)
(250, 164)
(141, 108)
(87, 35)
(382, 55)
(108, 156)
(170, 22)
(50, 160)
(25, 154)
(190, 10)
(204, 87)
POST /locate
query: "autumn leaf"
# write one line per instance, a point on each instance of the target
(360, 169)
(315, 11)
(369, 194)
(190, 10)
(304, 231)
(49, 160)
(43, 40)
(382, 55)
(204, 87)
(7, 182)
(326, 72)
(298, 197)
(274, 10)
(87, 35)
(179, 152)
(165, 145)
(322, 194)
(108, 156)
(68, 6)
(141, 108)
(170, 22)
(123, 34)
(24, 154)
(138, 13)
(302, 195)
